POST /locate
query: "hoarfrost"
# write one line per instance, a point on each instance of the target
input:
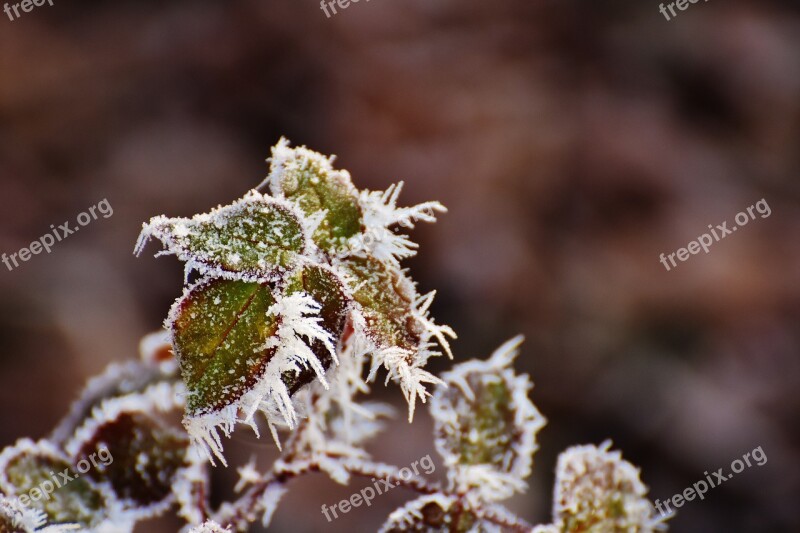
(380, 213)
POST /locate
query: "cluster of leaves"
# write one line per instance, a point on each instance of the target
(288, 312)
(485, 429)
(279, 285)
(117, 458)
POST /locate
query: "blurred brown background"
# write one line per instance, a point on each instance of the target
(573, 142)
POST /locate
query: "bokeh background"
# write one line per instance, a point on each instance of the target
(573, 142)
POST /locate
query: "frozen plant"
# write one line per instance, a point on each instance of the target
(287, 318)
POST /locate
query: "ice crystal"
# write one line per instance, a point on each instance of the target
(380, 214)
(299, 327)
(348, 422)
(15, 516)
(247, 475)
(209, 526)
(269, 501)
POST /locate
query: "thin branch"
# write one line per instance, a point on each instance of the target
(244, 510)
(506, 520)
(390, 473)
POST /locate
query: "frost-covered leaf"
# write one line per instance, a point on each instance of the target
(324, 285)
(135, 454)
(39, 470)
(241, 348)
(386, 297)
(142, 461)
(309, 179)
(485, 425)
(219, 328)
(142, 458)
(596, 491)
(391, 323)
(254, 238)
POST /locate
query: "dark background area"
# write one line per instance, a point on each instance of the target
(572, 141)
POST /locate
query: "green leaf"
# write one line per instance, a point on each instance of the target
(31, 467)
(254, 237)
(488, 434)
(219, 328)
(307, 178)
(386, 297)
(138, 455)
